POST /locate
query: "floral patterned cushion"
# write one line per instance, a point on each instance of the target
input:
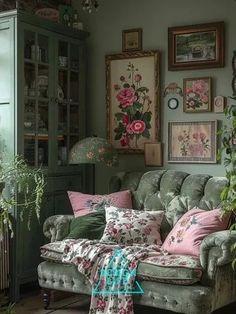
(83, 204)
(192, 228)
(128, 227)
(53, 251)
(173, 269)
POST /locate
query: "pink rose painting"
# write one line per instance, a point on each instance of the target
(133, 100)
(133, 120)
(192, 141)
(197, 94)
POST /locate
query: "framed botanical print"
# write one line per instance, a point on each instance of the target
(192, 141)
(197, 94)
(133, 100)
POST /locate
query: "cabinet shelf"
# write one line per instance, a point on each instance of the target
(41, 136)
(32, 61)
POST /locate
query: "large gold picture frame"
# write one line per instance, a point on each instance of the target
(133, 100)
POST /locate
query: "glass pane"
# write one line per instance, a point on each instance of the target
(30, 118)
(62, 119)
(74, 86)
(43, 48)
(43, 118)
(29, 45)
(73, 140)
(43, 81)
(63, 54)
(42, 151)
(62, 151)
(74, 57)
(29, 150)
(30, 88)
(62, 86)
(74, 119)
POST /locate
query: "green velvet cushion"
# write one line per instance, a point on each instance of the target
(88, 227)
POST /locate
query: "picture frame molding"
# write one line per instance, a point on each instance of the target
(140, 39)
(157, 110)
(219, 60)
(195, 160)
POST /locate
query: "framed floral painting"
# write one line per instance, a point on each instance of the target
(197, 94)
(133, 100)
(192, 142)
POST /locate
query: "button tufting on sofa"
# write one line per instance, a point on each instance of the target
(176, 192)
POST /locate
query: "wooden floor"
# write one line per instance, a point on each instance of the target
(33, 304)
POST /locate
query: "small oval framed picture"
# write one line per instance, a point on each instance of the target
(219, 104)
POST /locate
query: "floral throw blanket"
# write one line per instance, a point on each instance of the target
(111, 270)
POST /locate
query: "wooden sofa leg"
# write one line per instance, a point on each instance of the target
(46, 298)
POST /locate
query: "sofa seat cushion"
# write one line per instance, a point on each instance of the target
(173, 269)
(53, 251)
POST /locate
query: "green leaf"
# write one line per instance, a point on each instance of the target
(146, 133)
(142, 90)
(126, 85)
(118, 136)
(119, 116)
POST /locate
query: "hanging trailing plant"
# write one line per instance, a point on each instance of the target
(228, 152)
(22, 188)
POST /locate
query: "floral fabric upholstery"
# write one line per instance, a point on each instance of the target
(175, 269)
(127, 226)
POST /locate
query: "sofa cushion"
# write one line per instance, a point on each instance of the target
(192, 228)
(176, 269)
(128, 227)
(90, 226)
(53, 251)
(173, 269)
(83, 204)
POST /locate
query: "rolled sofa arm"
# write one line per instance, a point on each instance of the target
(57, 227)
(215, 249)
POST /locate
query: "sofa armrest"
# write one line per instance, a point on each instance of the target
(57, 227)
(215, 250)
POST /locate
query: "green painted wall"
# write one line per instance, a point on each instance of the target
(154, 17)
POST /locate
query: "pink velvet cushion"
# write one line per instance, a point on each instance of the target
(189, 231)
(83, 204)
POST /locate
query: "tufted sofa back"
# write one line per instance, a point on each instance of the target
(173, 191)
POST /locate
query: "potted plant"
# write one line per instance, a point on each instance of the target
(21, 187)
(228, 152)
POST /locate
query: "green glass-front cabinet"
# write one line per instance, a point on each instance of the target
(42, 114)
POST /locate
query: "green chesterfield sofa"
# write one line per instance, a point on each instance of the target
(176, 192)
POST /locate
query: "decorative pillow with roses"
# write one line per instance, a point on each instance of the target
(128, 226)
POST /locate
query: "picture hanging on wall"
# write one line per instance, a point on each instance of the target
(133, 100)
(132, 39)
(192, 142)
(196, 46)
(197, 94)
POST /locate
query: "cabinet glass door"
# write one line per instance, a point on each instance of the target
(67, 99)
(36, 98)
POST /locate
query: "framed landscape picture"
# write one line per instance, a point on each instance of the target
(196, 46)
(192, 142)
(132, 39)
(197, 94)
(133, 100)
